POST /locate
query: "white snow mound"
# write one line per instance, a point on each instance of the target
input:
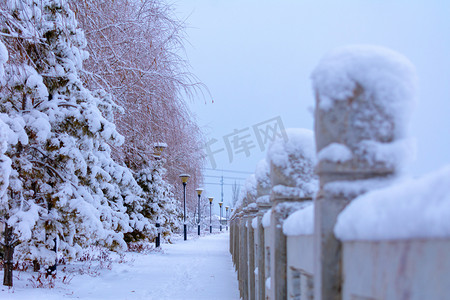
(387, 76)
(301, 222)
(413, 208)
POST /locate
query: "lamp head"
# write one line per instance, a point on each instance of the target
(220, 204)
(199, 191)
(159, 148)
(184, 177)
(210, 199)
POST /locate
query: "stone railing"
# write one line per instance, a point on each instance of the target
(284, 184)
(342, 238)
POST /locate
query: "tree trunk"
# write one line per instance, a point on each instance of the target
(36, 266)
(8, 256)
(52, 269)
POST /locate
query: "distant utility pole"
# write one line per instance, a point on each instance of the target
(237, 176)
(221, 186)
(235, 190)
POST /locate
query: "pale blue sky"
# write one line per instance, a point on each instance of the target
(256, 58)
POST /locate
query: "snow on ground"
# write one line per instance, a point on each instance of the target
(199, 268)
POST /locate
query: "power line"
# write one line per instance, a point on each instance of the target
(222, 178)
(225, 177)
(215, 183)
(229, 171)
(221, 186)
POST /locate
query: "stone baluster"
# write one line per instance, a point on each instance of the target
(230, 245)
(252, 210)
(232, 238)
(363, 97)
(293, 181)
(236, 240)
(243, 255)
(263, 186)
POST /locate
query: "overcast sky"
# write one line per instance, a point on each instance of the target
(256, 58)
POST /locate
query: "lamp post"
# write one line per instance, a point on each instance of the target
(226, 216)
(158, 237)
(220, 219)
(210, 209)
(184, 179)
(158, 150)
(199, 193)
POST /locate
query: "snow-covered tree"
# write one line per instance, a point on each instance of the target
(63, 180)
(137, 55)
(160, 204)
(11, 131)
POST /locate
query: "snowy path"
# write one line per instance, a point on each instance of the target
(196, 269)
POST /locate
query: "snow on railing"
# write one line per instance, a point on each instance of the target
(390, 230)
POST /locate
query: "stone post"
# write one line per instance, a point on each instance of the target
(293, 182)
(264, 205)
(230, 245)
(236, 240)
(237, 245)
(252, 211)
(243, 259)
(248, 194)
(363, 97)
(263, 186)
(268, 252)
(231, 241)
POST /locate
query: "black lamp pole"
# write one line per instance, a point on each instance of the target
(226, 217)
(220, 220)
(184, 178)
(159, 148)
(184, 213)
(199, 192)
(198, 224)
(158, 237)
(210, 209)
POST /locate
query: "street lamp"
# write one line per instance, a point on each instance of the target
(158, 236)
(199, 193)
(184, 179)
(210, 222)
(220, 219)
(226, 216)
(158, 149)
